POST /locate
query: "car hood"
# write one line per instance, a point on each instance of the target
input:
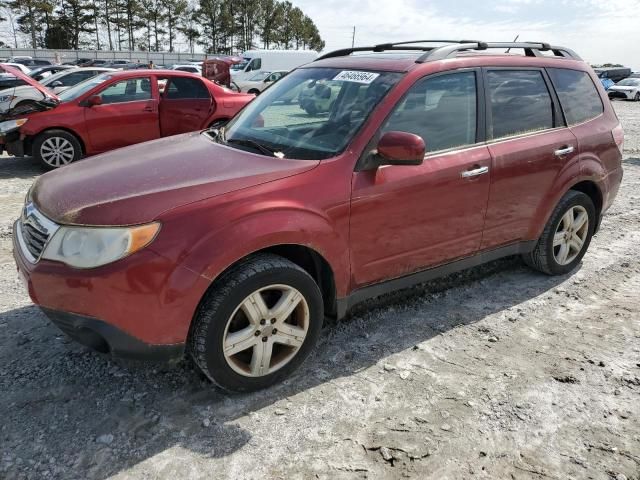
(623, 88)
(136, 184)
(17, 73)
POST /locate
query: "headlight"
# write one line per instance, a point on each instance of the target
(6, 98)
(10, 125)
(89, 247)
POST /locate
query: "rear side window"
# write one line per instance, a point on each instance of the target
(441, 110)
(578, 95)
(520, 103)
(183, 87)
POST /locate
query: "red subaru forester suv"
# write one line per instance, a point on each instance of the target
(233, 244)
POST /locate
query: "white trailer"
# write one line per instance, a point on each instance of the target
(256, 61)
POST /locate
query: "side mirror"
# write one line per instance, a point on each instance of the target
(94, 100)
(57, 84)
(401, 148)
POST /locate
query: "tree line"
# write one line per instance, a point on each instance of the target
(218, 26)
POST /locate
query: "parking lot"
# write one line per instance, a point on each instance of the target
(499, 372)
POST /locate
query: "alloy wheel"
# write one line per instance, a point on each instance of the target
(266, 330)
(57, 151)
(570, 235)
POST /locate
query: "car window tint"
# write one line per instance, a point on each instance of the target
(578, 95)
(127, 91)
(75, 77)
(182, 87)
(519, 103)
(441, 110)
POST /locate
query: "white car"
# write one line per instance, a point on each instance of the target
(629, 89)
(19, 66)
(260, 81)
(59, 82)
(189, 67)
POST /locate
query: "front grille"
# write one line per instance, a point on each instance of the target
(34, 232)
(34, 239)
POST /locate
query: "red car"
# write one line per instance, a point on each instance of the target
(121, 108)
(234, 244)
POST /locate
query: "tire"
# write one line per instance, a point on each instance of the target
(69, 147)
(222, 313)
(254, 91)
(563, 226)
(637, 97)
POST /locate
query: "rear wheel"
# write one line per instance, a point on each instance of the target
(637, 97)
(566, 236)
(56, 148)
(257, 324)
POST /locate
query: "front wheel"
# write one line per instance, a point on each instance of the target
(257, 323)
(56, 148)
(566, 236)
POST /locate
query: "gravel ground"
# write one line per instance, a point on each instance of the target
(497, 373)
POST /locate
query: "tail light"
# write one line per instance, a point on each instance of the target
(618, 137)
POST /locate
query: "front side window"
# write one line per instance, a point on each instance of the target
(312, 113)
(520, 103)
(441, 110)
(577, 93)
(130, 90)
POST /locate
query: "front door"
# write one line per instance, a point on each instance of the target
(128, 114)
(409, 218)
(184, 106)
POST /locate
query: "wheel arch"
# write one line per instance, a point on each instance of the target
(31, 138)
(592, 190)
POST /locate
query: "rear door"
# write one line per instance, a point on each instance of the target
(184, 106)
(128, 114)
(529, 144)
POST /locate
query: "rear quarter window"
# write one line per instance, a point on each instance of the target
(578, 95)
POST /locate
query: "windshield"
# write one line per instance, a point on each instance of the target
(49, 80)
(629, 82)
(241, 65)
(82, 87)
(312, 113)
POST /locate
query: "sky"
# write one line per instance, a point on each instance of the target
(605, 31)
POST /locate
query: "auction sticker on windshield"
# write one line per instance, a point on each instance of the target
(356, 76)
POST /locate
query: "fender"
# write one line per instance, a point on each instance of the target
(590, 170)
(216, 246)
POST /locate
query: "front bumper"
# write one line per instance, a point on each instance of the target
(621, 94)
(138, 307)
(105, 338)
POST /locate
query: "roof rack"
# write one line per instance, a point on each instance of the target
(441, 52)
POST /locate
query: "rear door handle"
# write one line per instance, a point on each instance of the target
(148, 109)
(563, 151)
(475, 172)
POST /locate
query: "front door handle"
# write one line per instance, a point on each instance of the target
(563, 151)
(475, 172)
(148, 109)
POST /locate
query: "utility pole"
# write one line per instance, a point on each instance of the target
(353, 37)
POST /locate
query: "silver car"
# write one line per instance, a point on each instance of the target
(59, 82)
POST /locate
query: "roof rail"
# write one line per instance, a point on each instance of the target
(441, 52)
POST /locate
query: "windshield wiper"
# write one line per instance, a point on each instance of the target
(253, 144)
